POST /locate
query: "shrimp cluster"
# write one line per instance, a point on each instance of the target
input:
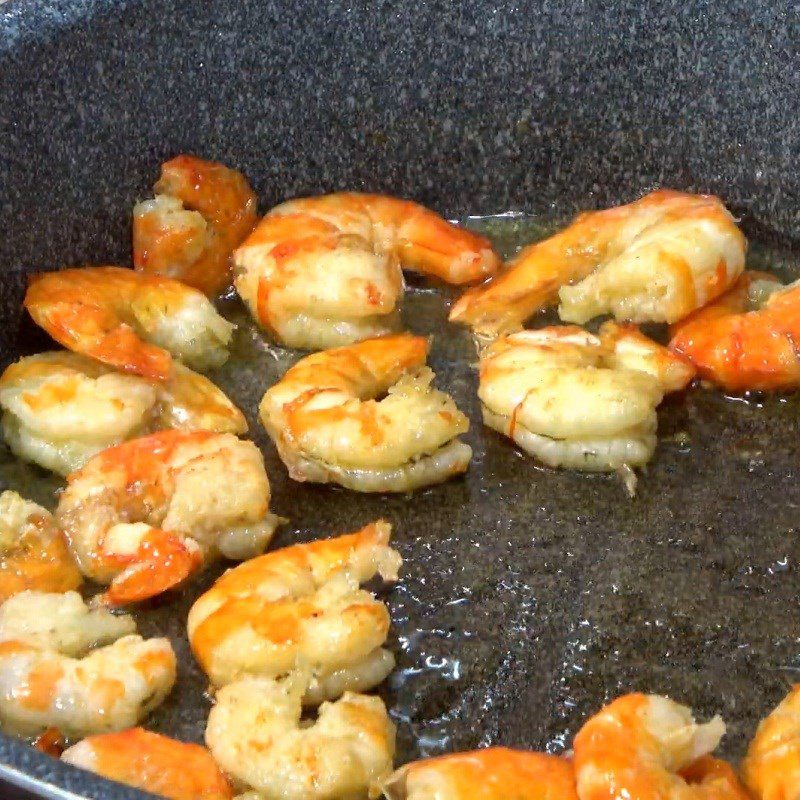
(329, 426)
(326, 271)
(301, 607)
(572, 399)
(654, 260)
(82, 671)
(61, 408)
(144, 515)
(201, 212)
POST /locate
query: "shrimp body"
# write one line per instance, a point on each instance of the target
(328, 426)
(749, 339)
(771, 768)
(201, 212)
(51, 677)
(144, 515)
(254, 732)
(656, 259)
(61, 408)
(495, 773)
(152, 762)
(326, 271)
(572, 399)
(301, 606)
(649, 748)
(130, 321)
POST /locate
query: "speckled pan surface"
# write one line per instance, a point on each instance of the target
(529, 596)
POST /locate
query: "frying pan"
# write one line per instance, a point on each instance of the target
(529, 596)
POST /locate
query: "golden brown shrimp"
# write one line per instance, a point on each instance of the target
(61, 408)
(301, 606)
(656, 259)
(133, 322)
(749, 339)
(144, 515)
(326, 271)
(154, 763)
(649, 748)
(495, 773)
(771, 768)
(328, 426)
(33, 551)
(255, 734)
(201, 212)
(80, 670)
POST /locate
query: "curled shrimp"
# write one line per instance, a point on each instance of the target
(650, 748)
(144, 515)
(255, 734)
(328, 426)
(130, 321)
(33, 551)
(326, 271)
(61, 408)
(301, 606)
(154, 763)
(82, 671)
(771, 768)
(201, 212)
(496, 773)
(572, 399)
(656, 260)
(749, 339)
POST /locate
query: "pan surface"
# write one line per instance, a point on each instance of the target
(528, 596)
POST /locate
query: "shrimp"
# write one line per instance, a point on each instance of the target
(255, 734)
(144, 515)
(326, 271)
(656, 260)
(749, 339)
(130, 321)
(33, 551)
(61, 408)
(650, 748)
(51, 675)
(495, 773)
(771, 768)
(575, 400)
(301, 606)
(328, 426)
(154, 763)
(201, 212)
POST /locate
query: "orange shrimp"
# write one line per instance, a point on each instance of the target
(201, 212)
(749, 339)
(495, 773)
(656, 259)
(154, 763)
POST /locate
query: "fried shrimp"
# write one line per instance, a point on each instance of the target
(255, 734)
(495, 773)
(649, 748)
(154, 763)
(301, 607)
(326, 271)
(61, 408)
(771, 768)
(749, 339)
(656, 260)
(201, 212)
(575, 400)
(33, 551)
(51, 675)
(130, 321)
(144, 515)
(328, 426)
